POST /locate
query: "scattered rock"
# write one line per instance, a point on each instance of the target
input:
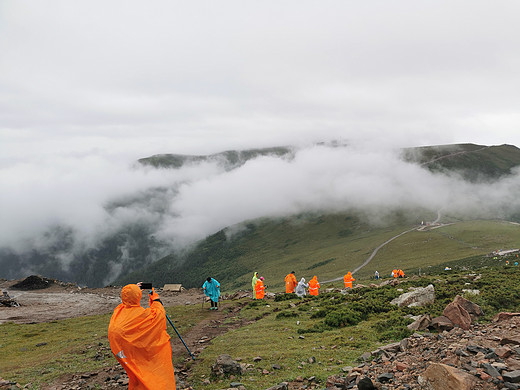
(225, 366)
(441, 323)
(280, 386)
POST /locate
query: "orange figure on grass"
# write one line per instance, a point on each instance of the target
(314, 286)
(348, 279)
(139, 341)
(259, 288)
(290, 283)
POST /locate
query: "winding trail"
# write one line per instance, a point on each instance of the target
(373, 254)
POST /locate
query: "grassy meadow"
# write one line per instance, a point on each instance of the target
(317, 336)
(327, 246)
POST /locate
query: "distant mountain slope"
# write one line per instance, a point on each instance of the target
(326, 246)
(230, 159)
(473, 162)
(132, 242)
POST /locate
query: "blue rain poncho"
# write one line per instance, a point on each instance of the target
(212, 289)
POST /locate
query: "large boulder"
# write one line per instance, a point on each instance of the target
(443, 377)
(420, 296)
(473, 309)
(458, 315)
(225, 366)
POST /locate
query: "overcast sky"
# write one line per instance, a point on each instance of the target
(87, 87)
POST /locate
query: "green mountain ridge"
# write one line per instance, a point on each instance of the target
(472, 162)
(326, 246)
(134, 250)
(330, 245)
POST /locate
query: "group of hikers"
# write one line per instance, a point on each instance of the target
(141, 344)
(293, 286)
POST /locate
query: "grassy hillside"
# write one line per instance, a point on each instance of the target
(333, 330)
(326, 246)
(473, 162)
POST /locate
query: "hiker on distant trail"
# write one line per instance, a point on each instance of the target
(253, 283)
(401, 273)
(314, 286)
(290, 283)
(139, 341)
(212, 289)
(395, 273)
(259, 288)
(348, 279)
(300, 288)
(376, 275)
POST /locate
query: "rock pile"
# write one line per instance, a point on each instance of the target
(483, 357)
(33, 282)
(459, 313)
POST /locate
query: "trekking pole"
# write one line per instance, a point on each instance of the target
(174, 328)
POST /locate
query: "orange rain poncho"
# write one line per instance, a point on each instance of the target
(140, 343)
(290, 283)
(259, 289)
(395, 273)
(348, 279)
(314, 286)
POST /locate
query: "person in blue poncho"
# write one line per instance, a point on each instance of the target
(212, 289)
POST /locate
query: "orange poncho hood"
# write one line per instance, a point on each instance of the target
(131, 295)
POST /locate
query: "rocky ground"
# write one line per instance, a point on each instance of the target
(58, 300)
(481, 357)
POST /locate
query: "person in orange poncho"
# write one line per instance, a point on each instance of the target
(401, 273)
(140, 343)
(290, 283)
(259, 288)
(348, 279)
(314, 286)
(395, 273)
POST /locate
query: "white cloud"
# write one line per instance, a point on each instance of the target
(87, 88)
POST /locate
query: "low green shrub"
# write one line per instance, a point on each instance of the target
(287, 314)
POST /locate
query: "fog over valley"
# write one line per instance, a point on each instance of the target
(82, 212)
(269, 109)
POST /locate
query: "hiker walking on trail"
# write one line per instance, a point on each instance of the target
(395, 273)
(290, 283)
(314, 286)
(253, 283)
(376, 275)
(300, 288)
(400, 273)
(348, 279)
(212, 289)
(139, 341)
(259, 288)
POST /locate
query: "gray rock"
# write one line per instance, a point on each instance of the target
(490, 370)
(420, 296)
(386, 377)
(225, 366)
(280, 386)
(366, 384)
(511, 376)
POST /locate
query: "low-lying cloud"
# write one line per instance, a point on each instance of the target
(94, 196)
